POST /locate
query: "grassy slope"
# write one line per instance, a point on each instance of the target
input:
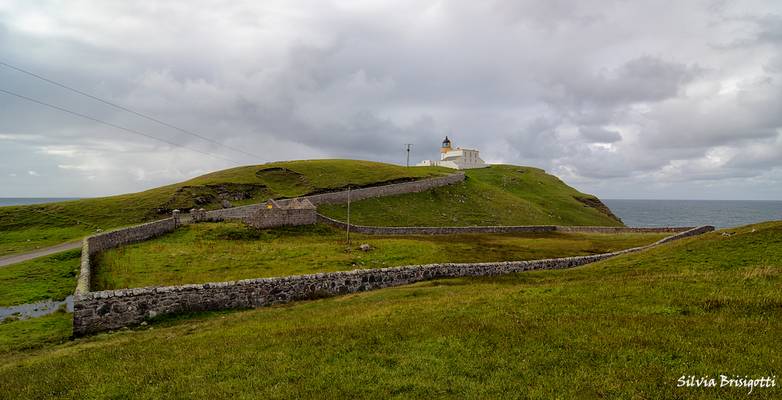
(50, 277)
(499, 195)
(623, 328)
(23, 228)
(230, 251)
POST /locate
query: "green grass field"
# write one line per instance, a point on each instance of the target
(51, 277)
(217, 252)
(498, 195)
(628, 327)
(24, 228)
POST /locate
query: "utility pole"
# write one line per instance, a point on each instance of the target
(348, 229)
(408, 146)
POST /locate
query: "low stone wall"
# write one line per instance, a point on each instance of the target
(422, 185)
(112, 309)
(622, 229)
(137, 233)
(433, 230)
(107, 240)
(451, 230)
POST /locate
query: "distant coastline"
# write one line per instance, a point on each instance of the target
(20, 201)
(720, 213)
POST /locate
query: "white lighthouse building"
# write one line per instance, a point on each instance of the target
(458, 158)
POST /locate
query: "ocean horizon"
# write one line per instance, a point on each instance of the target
(719, 213)
(21, 201)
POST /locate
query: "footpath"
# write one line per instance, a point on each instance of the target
(17, 258)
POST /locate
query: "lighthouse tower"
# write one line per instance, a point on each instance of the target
(445, 148)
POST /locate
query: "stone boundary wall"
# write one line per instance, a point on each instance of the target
(113, 309)
(340, 197)
(385, 190)
(450, 230)
(107, 240)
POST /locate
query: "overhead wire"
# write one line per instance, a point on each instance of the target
(113, 125)
(126, 109)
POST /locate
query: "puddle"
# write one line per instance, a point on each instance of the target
(30, 310)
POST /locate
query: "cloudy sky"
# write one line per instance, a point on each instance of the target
(660, 99)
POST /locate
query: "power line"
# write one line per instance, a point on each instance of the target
(30, 99)
(123, 108)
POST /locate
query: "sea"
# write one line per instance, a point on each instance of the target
(20, 201)
(720, 213)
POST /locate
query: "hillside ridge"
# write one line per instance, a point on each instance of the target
(25, 228)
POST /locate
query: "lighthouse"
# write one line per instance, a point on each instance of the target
(445, 148)
(457, 158)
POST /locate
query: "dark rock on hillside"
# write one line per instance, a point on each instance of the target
(594, 202)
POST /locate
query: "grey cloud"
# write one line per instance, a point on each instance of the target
(642, 79)
(770, 29)
(598, 134)
(539, 140)
(748, 115)
(550, 84)
(548, 15)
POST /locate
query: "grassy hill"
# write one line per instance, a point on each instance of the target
(24, 228)
(627, 327)
(497, 195)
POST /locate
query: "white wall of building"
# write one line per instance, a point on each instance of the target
(457, 159)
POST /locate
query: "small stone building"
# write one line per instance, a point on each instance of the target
(293, 212)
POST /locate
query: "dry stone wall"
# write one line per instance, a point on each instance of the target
(385, 190)
(450, 230)
(622, 229)
(112, 309)
(107, 240)
(111, 239)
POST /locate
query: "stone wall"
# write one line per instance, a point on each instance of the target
(107, 240)
(113, 309)
(450, 230)
(622, 229)
(422, 185)
(137, 233)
